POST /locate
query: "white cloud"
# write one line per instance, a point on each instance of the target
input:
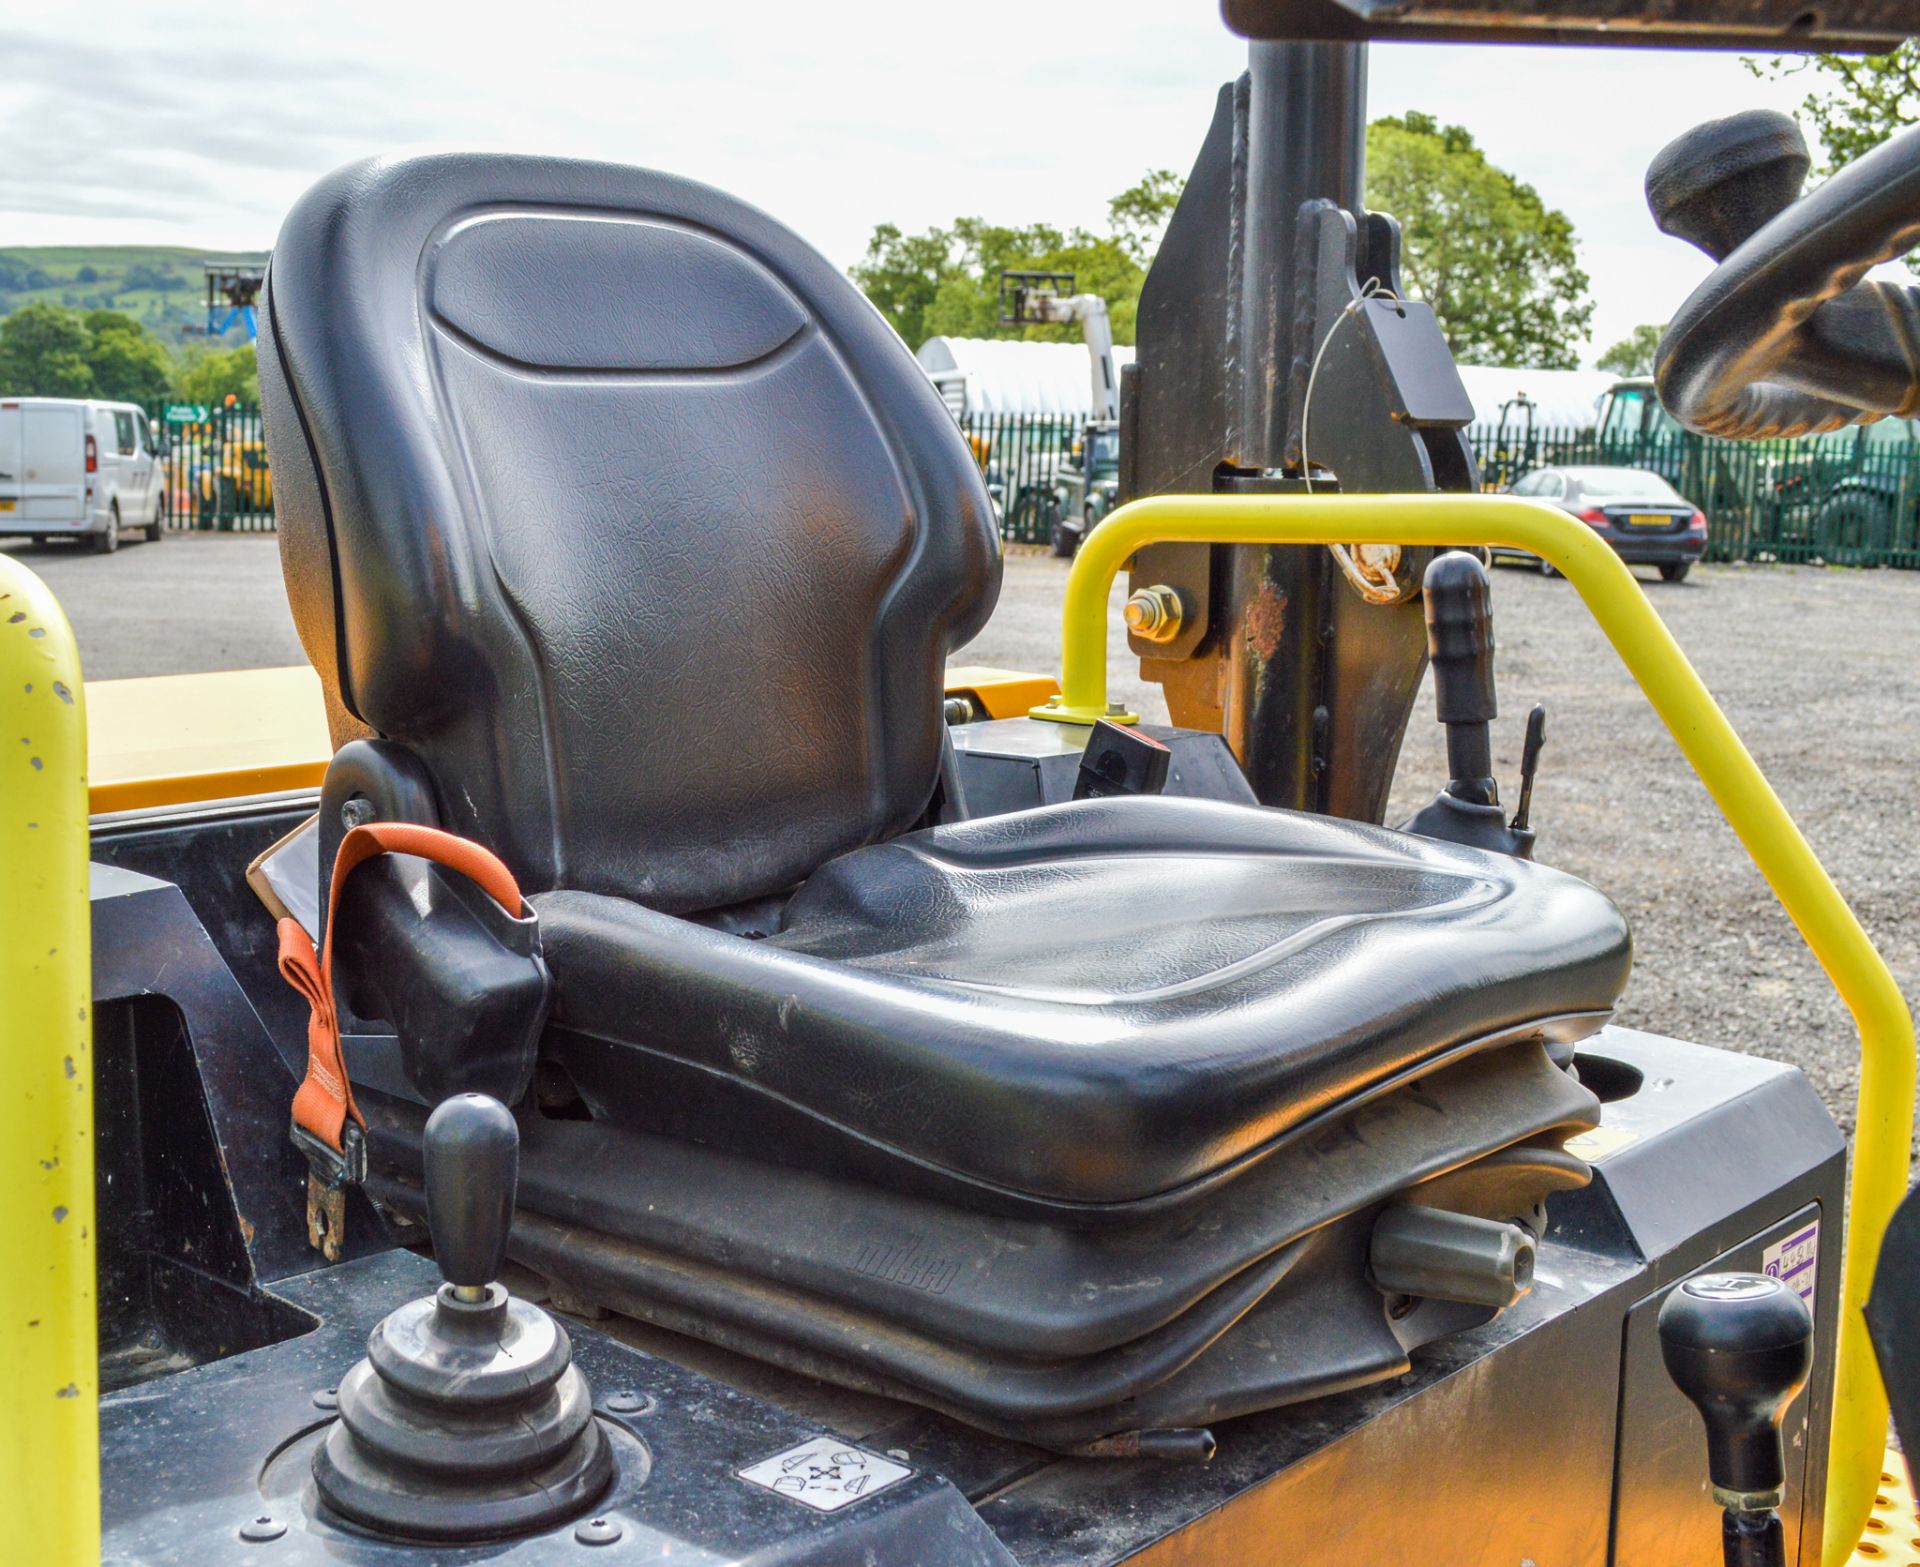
(201, 125)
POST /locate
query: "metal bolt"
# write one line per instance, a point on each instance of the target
(260, 1530)
(597, 1531)
(357, 812)
(1154, 614)
(628, 1402)
(327, 1398)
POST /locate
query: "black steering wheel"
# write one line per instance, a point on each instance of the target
(1785, 338)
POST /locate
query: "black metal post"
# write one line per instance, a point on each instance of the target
(1307, 138)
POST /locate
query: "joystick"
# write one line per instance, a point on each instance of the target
(467, 1420)
(1739, 1346)
(1456, 597)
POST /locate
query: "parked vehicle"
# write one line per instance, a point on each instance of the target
(1084, 486)
(234, 479)
(1643, 517)
(76, 468)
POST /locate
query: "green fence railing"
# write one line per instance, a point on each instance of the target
(1847, 499)
(1020, 455)
(214, 463)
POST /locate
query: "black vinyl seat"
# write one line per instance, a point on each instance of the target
(1088, 1003)
(633, 542)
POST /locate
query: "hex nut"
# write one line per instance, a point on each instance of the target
(1154, 614)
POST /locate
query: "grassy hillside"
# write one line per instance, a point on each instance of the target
(161, 286)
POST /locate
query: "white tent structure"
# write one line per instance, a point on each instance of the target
(1561, 399)
(984, 375)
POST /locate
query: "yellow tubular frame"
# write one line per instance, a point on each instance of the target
(49, 1383)
(1884, 1111)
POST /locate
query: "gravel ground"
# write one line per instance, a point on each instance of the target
(192, 603)
(1819, 671)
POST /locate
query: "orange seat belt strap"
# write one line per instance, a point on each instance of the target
(324, 1103)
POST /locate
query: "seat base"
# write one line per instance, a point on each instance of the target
(1059, 1330)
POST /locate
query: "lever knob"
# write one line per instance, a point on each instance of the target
(1739, 1346)
(1460, 643)
(1718, 183)
(472, 1152)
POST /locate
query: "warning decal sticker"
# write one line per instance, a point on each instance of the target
(1795, 1260)
(825, 1474)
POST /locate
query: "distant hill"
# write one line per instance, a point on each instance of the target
(161, 286)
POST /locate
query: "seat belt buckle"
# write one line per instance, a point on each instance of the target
(330, 1171)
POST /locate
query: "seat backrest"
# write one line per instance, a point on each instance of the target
(624, 510)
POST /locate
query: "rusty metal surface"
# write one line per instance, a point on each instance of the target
(1668, 24)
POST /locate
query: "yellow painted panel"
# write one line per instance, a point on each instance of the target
(1001, 693)
(175, 739)
(49, 1383)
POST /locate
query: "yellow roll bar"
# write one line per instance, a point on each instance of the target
(49, 1380)
(1884, 1111)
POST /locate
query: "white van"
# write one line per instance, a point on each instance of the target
(72, 467)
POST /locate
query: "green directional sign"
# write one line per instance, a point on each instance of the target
(186, 413)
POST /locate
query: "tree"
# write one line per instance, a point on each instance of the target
(946, 281)
(129, 364)
(1498, 266)
(43, 353)
(215, 375)
(1633, 354)
(1857, 102)
(1138, 216)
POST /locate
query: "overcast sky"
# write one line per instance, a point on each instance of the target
(198, 125)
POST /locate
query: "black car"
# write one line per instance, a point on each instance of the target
(1643, 517)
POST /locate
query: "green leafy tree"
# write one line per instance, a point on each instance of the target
(946, 281)
(1138, 216)
(1856, 101)
(220, 373)
(1498, 266)
(1633, 354)
(43, 353)
(129, 364)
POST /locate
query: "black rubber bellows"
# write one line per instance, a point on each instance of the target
(467, 1420)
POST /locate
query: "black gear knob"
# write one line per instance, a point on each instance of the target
(1459, 611)
(1739, 1345)
(1717, 184)
(472, 1153)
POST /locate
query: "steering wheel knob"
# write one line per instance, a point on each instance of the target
(1721, 181)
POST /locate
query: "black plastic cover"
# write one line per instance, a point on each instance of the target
(460, 979)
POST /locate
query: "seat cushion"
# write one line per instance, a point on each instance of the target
(1098, 1002)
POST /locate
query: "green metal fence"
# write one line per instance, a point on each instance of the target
(1848, 499)
(215, 464)
(1019, 454)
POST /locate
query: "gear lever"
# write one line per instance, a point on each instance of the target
(467, 1420)
(1739, 1346)
(1456, 597)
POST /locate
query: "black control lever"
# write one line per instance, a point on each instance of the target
(1530, 750)
(1457, 602)
(1739, 1346)
(468, 1420)
(472, 1156)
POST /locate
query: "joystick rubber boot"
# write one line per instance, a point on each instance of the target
(467, 1420)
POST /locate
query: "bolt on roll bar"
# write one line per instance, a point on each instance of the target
(1884, 1110)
